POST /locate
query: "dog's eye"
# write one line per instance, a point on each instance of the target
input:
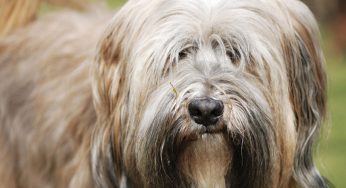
(189, 49)
(183, 54)
(234, 55)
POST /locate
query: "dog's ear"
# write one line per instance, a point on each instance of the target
(112, 59)
(307, 84)
(109, 76)
(106, 145)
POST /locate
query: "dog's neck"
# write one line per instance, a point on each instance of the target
(206, 161)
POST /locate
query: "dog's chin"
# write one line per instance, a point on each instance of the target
(206, 157)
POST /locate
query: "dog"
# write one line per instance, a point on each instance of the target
(181, 93)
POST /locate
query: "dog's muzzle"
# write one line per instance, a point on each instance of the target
(206, 111)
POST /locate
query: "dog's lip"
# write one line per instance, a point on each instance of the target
(202, 130)
(217, 128)
(213, 130)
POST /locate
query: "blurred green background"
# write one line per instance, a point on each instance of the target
(331, 152)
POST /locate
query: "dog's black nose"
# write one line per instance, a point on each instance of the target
(205, 111)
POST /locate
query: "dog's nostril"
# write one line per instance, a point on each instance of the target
(217, 112)
(194, 111)
(205, 111)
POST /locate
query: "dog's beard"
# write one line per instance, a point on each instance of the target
(173, 148)
(271, 84)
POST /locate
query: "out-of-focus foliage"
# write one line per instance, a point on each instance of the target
(332, 150)
(116, 3)
(332, 16)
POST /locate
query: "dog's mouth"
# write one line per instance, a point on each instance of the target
(213, 129)
(198, 131)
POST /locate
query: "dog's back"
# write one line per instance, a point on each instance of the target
(42, 67)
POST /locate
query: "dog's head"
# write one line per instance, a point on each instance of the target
(201, 93)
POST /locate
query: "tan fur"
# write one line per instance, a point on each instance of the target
(90, 101)
(207, 161)
(64, 71)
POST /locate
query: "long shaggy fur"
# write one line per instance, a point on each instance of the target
(89, 101)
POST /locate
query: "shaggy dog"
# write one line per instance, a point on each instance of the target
(168, 93)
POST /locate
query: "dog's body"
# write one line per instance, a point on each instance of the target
(120, 116)
(36, 146)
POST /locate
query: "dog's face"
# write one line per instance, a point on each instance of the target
(209, 93)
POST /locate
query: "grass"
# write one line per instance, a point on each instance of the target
(331, 153)
(332, 150)
(116, 3)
